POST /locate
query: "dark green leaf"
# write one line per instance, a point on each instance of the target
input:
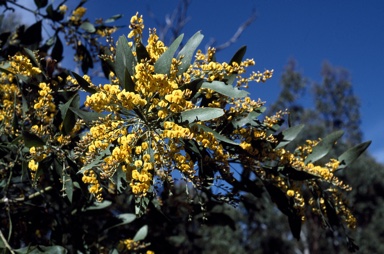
(87, 116)
(142, 53)
(41, 3)
(187, 52)
(295, 225)
(29, 53)
(32, 35)
(216, 134)
(141, 204)
(323, 147)
(68, 117)
(124, 65)
(238, 57)
(88, 27)
(4, 38)
(163, 64)
(141, 233)
(333, 218)
(41, 249)
(97, 161)
(68, 187)
(83, 83)
(113, 18)
(224, 89)
(201, 114)
(193, 86)
(288, 135)
(31, 139)
(58, 49)
(352, 154)
(54, 15)
(4, 67)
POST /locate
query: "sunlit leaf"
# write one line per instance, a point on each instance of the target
(286, 136)
(323, 147)
(141, 233)
(125, 218)
(68, 117)
(188, 51)
(201, 114)
(88, 27)
(352, 154)
(87, 116)
(163, 64)
(124, 64)
(248, 119)
(99, 205)
(225, 89)
(113, 18)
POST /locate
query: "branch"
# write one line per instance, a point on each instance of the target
(238, 33)
(33, 195)
(6, 242)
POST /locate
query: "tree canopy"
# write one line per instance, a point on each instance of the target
(171, 136)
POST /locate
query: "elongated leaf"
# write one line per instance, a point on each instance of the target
(31, 139)
(238, 57)
(163, 64)
(83, 83)
(57, 51)
(33, 34)
(124, 65)
(29, 53)
(125, 218)
(141, 234)
(68, 184)
(113, 18)
(288, 135)
(41, 3)
(224, 89)
(188, 51)
(97, 161)
(216, 134)
(194, 86)
(201, 114)
(352, 154)
(88, 117)
(295, 225)
(68, 117)
(249, 119)
(88, 27)
(99, 205)
(141, 53)
(41, 249)
(323, 147)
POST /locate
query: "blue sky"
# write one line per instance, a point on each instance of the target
(346, 33)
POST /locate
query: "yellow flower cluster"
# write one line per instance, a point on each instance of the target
(22, 65)
(90, 177)
(155, 47)
(37, 155)
(44, 105)
(77, 14)
(136, 26)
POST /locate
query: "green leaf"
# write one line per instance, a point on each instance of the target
(32, 35)
(31, 139)
(288, 135)
(141, 204)
(187, 52)
(248, 119)
(68, 117)
(141, 233)
(141, 53)
(295, 225)
(225, 89)
(216, 134)
(238, 56)
(29, 53)
(68, 185)
(41, 249)
(58, 49)
(83, 83)
(88, 27)
(41, 3)
(193, 86)
(124, 65)
(99, 205)
(54, 15)
(323, 147)
(352, 154)
(163, 64)
(125, 218)
(113, 18)
(87, 116)
(201, 114)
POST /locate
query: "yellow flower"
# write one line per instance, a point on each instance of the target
(63, 8)
(33, 165)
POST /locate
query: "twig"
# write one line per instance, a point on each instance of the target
(6, 242)
(33, 195)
